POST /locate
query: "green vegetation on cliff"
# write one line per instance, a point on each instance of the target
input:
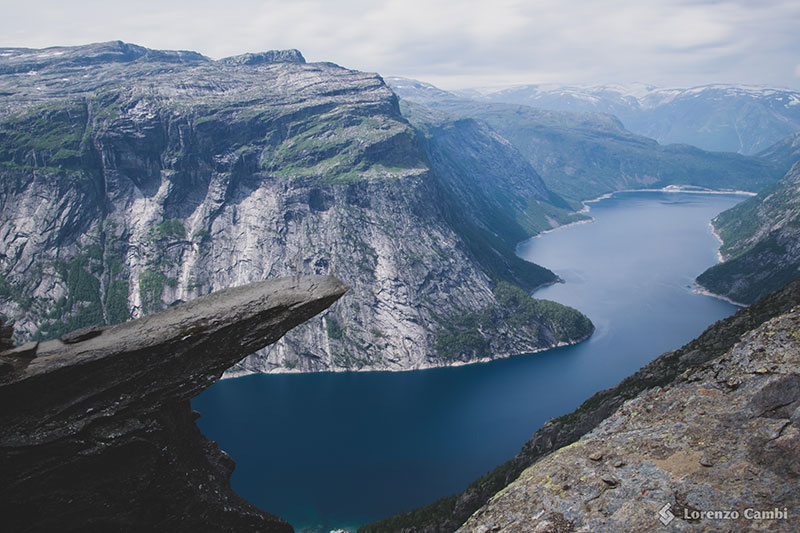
(761, 243)
(465, 337)
(45, 136)
(170, 229)
(95, 292)
(568, 324)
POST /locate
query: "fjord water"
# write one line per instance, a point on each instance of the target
(336, 450)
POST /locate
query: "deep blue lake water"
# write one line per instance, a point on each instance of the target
(335, 450)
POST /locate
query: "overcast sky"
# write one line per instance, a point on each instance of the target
(454, 43)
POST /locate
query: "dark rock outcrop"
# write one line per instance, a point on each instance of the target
(98, 434)
(6, 336)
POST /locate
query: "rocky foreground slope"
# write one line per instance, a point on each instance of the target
(724, 437)
(713, 425)
(96, 429)
(133, 178)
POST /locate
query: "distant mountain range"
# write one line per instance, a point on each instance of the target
(588, 154)
(727, 118)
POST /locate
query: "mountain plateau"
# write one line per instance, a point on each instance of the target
(131, 179)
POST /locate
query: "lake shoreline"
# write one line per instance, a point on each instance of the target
(388, 435)
(457, 364)
(699, 289)
(720, 257)
(668, 189)
(233, 374)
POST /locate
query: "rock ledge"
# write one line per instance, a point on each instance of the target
(99, 433)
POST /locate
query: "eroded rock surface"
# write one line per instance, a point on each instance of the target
(724, 436)
(98, 434)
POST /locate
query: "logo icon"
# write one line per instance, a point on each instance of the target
(665, 515)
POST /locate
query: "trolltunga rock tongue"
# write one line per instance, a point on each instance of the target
(98, 431)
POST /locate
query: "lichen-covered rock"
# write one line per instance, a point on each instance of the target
(723, 437)
(98, 434)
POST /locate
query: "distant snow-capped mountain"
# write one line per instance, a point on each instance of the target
(733, 118)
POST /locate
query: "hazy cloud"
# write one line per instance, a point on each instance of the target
(455, 43)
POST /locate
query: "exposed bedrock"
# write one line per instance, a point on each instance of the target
(96, 429)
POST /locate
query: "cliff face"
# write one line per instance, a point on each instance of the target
(761, 243)
(134, 178)
(498, 188)
(713, 423)
(97, 432)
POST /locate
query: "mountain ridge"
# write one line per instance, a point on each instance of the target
(129, 186)
(760, 240)
(581, 156)
(716, 117)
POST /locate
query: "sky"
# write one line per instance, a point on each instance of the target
(454, 44)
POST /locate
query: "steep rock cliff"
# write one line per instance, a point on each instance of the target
(97, 434)
(497, 187)
(760, 243)
(133, 178)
